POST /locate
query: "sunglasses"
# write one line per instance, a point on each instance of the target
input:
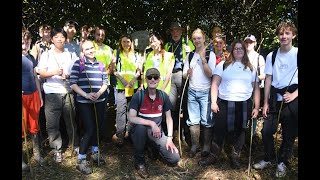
(155, 77)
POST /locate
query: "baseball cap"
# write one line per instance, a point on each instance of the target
(250, 37)
(71, 22)
(152, 71)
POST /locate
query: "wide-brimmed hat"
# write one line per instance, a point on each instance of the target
(176, 25)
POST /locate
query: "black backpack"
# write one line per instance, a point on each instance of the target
(192, 53)
(141, 97)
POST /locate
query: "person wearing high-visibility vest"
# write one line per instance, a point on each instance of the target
(127, 72)
(160, 59)
(103, 53)
(180, 47)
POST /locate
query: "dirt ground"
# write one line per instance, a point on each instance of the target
(119, 165)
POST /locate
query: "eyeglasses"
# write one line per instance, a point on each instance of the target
(238, 49)
(155, 77)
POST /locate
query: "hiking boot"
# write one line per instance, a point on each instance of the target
(97, 159)
(281, 170)
(235, 163)
(83, 166)
(57, 156)
(262, 164)
(118, 140)
(206, 161)
(142, 170)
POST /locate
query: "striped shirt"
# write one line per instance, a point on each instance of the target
(92, 75)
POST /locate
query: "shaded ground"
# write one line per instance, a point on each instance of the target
(120, 165)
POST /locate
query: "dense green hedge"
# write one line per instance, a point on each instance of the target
(237, 17)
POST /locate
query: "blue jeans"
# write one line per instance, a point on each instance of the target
(199, 108)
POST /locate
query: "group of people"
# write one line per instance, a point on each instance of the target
(223, 94)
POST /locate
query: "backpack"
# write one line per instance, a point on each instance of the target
(81, 65)
(118, 59)
(192, 53)
(141, 97)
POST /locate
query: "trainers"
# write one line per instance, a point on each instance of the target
(83, 166)
(95, 158)
(262, 164)
(281, 170)
(58, 157)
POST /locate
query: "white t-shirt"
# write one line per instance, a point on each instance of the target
(236, 83)
(199, 80)
(284, 69)
(51, 61)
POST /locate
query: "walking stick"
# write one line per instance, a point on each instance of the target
(181, 99)
(252, 119)
(68, 95)
(95, 113)
(25, 142)
(180, 108)
(278, 118)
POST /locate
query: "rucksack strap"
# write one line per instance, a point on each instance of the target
(118, 59)
(274, 54)
(192, 53)
(141, 97)
(82, 64)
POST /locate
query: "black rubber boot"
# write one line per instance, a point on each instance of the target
(207, 138)
(195, 134)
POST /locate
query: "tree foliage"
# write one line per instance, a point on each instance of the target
(237, 17)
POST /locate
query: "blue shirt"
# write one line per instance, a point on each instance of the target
(28, 81)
